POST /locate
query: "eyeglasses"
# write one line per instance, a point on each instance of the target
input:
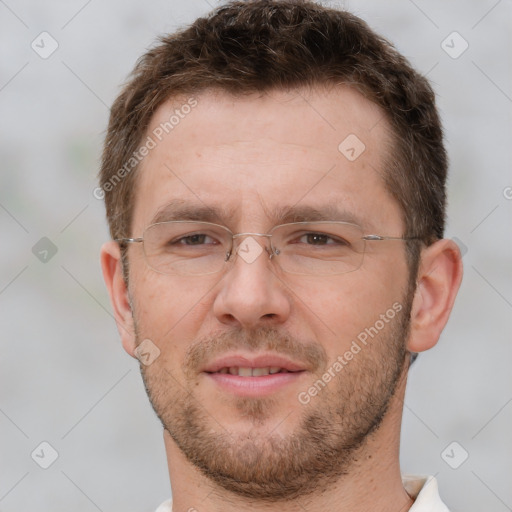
(189, 248)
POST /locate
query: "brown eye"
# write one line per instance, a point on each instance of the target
(197, 239)
(320, 239)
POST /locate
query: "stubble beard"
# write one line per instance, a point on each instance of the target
(329, 436)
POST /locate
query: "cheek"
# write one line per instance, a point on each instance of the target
(168, 310)
(338, 309)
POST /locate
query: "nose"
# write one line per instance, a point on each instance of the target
(251, 292)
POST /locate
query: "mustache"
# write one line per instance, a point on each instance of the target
(260, 339)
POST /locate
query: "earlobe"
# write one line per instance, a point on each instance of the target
(439, 278)
(113, 275)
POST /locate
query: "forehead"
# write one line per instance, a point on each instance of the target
(248, 157)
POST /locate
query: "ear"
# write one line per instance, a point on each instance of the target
(438, 280)
(119, 298)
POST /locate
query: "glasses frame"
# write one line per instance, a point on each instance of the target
(273, 250)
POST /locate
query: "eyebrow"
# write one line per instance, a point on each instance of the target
(306, 213)
(178, 209)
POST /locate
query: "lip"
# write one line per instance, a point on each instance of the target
(254, 386)
(259, 361)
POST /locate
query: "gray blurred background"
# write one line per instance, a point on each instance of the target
(64, 377)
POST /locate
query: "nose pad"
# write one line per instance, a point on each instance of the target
(273, 251)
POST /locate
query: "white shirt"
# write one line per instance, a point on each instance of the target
(423, 489)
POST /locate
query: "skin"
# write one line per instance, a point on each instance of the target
(251, 155)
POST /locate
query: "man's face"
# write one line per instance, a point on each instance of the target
(248, 158)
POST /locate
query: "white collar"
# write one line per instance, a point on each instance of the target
(424, 491)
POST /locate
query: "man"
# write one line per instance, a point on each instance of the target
(274, 180)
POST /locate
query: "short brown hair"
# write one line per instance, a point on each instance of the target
(262, 45)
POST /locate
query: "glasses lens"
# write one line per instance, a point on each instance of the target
(186, 248)
(318, 248)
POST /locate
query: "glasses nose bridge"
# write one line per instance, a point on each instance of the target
(242, 236)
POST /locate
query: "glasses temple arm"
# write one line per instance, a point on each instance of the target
(128, 240)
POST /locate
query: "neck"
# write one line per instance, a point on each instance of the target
(372, 483)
